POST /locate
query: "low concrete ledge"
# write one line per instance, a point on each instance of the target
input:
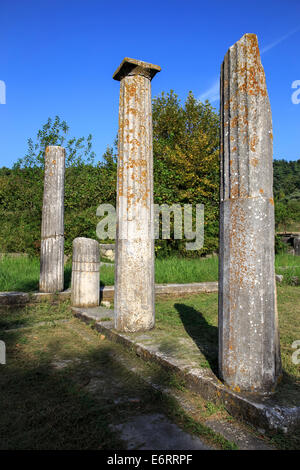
(22, 298)
(263, 412)
(14, 298)
(169, 290)
(106, 293)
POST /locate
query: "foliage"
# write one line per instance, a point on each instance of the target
(186, 166)
(186, 171)
(54, 132)
(287, 195)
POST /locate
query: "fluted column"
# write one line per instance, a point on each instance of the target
(249, 351)
(52, 233)
(85, 284)
(134, 263)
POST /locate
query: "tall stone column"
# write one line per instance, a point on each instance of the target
(52, 234)
(85, 284)
(134, 263)
(249, 351)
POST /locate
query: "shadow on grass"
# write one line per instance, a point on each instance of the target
(204, 335)
(44, 407)
(67, 276)
(26, 286)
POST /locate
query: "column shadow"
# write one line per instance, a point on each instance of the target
(204, 335)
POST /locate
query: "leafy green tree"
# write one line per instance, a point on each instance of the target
(186, 164)
(54, 132)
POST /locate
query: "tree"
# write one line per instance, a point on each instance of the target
(54, 132)
(186, 164)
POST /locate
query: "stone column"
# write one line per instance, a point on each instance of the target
(249, 351)
(134, 263)
(85, 284)
(52, 234)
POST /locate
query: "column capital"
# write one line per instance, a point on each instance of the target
(135, 67)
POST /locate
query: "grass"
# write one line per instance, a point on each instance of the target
(63, 386)
(183, 270)
(288, 266)
(175, 270)
(197, 318)
(22, 274)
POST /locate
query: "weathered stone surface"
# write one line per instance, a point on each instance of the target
(134, 271)
(264, 412)
(249, 351)
(107, 293)
(85, 284)
(14, 298)
(107, 250)
(52, 233)
(155, 432)
(297, 246)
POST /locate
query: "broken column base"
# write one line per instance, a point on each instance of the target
(262, 412)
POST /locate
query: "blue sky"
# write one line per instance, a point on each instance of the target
(58, 57)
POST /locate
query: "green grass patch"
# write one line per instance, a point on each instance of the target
(197, 317)
(62, 388)
(22, 274)
(49, 407)
(31, 315)
(288, 266)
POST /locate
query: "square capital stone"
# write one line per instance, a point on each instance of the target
(135, 67)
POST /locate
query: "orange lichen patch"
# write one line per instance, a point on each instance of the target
(227, 103)
(132, 111)
(131, 89)
(142, 130)
(252, 44)
(135, 142)
(237, 389)
(271, 135)
(230, 162)
(251, 70)
(271, 201)
(234, 122)
(234, 190)
(238, 271)
(261, 191)
(53, 162)
(254, 161)
(231, 138)
(234, 149)
(253, 142)
(252, 85)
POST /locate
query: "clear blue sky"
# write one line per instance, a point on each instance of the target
(58, 57)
